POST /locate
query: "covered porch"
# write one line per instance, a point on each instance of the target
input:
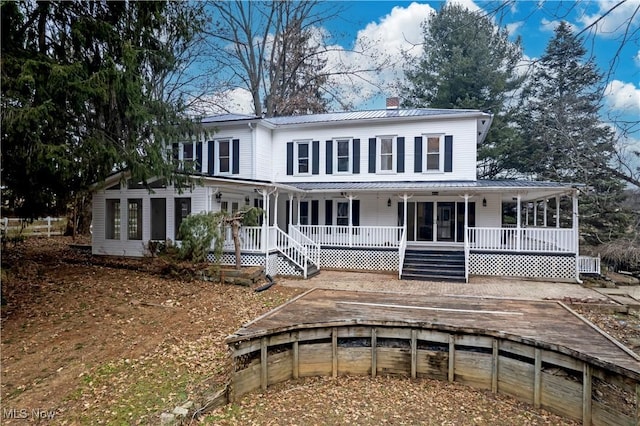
(529, 224)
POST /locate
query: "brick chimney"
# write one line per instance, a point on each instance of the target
(393, 103)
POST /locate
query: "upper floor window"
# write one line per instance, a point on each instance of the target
(187, 151)
(224, 156)
(434, 155)
(303, 157)
(343, 154)
(386, 154)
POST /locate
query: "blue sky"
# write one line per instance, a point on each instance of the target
(385, 28)
(391, 22)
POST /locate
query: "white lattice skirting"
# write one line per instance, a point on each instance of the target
(359, 259)
(247, 259)
(523, 265)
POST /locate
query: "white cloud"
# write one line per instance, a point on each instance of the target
(550, 26)
(623, 97)
(399, 31)
(514, 27)
(236, 100)
(614, 17)
(469, 4)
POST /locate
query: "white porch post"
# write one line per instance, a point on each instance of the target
(350, 220)
(535, 213)
(544, 220)
(265, 221)
(290, 210)
(405, 198)
(298, 220)
(576, 232)
(557, 211)
(466, 239)
(275, 209)
(518, 222)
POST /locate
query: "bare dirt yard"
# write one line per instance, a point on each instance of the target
(88, 340)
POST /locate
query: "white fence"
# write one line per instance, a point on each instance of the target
(355, 236)
(589, 265)
(48, 226)
(535, 240)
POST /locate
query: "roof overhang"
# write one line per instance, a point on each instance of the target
(528, 190)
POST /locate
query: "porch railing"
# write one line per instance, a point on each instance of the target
(589, 265)
(313, 248)
(401, 252)
(354, 236)
(290, 248)
(250, 239)
(553, 240)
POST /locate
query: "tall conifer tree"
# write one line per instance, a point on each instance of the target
(565, 138)
(468, 62)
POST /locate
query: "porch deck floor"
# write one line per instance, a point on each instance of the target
(549, 323)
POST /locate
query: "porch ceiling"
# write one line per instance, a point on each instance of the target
(529, 190)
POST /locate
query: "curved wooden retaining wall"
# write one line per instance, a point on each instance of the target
(563, 381)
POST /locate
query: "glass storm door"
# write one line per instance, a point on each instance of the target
(446, 221)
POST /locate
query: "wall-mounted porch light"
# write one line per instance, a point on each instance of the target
(484, 202)
(218, 197)
(389, 202)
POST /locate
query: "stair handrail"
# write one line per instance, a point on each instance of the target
(401, 251)
(313, 248)
(299, 249)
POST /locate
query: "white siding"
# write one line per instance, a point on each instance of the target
(136, 248)
(464, 149)
(264, 149)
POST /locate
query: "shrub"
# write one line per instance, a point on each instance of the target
(198, 232)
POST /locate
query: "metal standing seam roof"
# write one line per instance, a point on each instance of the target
(345, 116)
(428, 185)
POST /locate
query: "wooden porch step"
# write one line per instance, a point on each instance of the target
(433, 265)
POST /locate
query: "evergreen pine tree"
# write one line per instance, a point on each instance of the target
(467, 62)
(565, 138)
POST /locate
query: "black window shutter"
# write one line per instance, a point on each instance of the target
(212, 157)
(401, 213)
(314, 212)
(356, 156)
(175, 148)
(355, 215)
(289, 158)
(236, 157)
(400, 165)
(417, 159)
(315, 153)
(329, 155)
(328, 212)
(199, 156)
(448, 153)
(372, 155)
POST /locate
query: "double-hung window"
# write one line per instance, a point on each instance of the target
(386, 153)
(304, 156)
(343, 154)
(224, 155)
(434, 157)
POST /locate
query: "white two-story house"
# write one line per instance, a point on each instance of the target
(383, 190)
